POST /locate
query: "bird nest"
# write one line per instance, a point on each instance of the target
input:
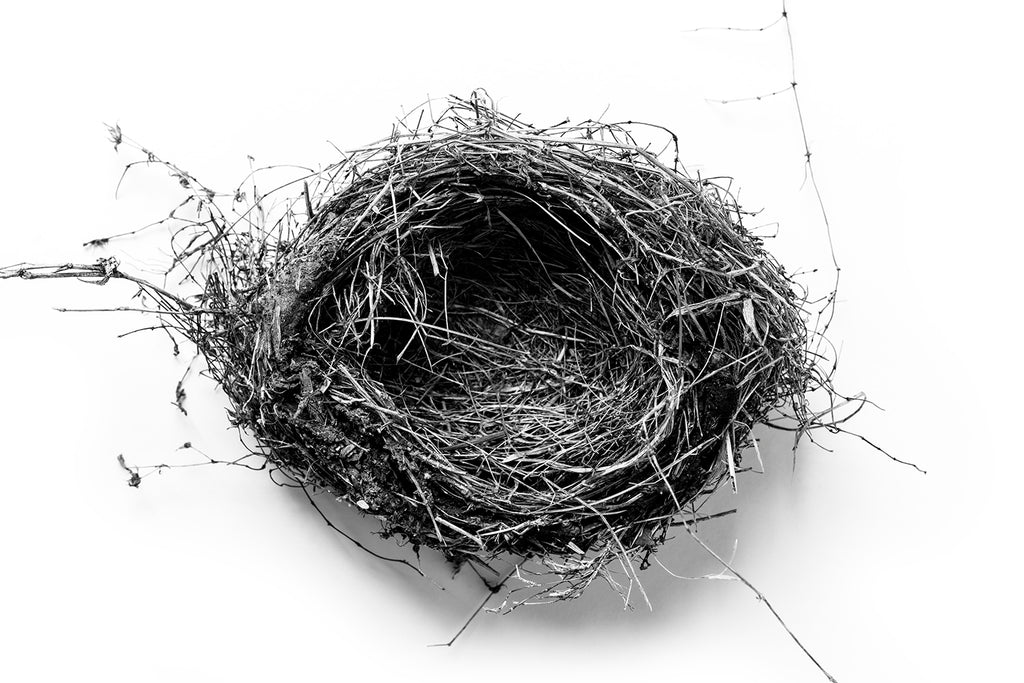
(498, 339)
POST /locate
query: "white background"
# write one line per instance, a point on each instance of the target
(914, 116)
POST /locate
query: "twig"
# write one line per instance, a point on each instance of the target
(760, 596)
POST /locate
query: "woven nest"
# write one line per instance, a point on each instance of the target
(500, 339)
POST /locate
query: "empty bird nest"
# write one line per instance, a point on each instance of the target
(498, 339)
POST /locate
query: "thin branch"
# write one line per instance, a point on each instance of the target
(760, 596)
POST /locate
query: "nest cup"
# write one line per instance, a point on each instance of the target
(502, 339)
(547, 345)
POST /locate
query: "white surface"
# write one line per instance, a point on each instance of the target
(213, 573)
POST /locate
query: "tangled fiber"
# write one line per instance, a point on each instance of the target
(498, 339)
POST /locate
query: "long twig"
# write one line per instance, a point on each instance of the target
(760, 596)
